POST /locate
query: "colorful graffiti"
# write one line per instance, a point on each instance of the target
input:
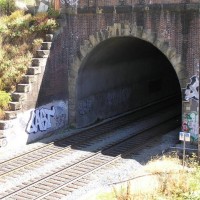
(192, 89)
(190, 125)
(40, 120)
(70, 2)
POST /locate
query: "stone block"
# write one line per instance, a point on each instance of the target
(83, 51)
(10, 115)
(137, 32)
(39, 62)
(42, 53)
(18, 96)
(23, 88)
(26, 79)
(102, 35)
(46, 45)
(161, 45)
(179, 67)
(176, 60)
(87, 43)
(182, 74)
(93, 40)
(97, 36)
(3, 125)
(49, 38)
(183, 83)
(33, 70)
(15, 106)
(149, 36)
(171, 52)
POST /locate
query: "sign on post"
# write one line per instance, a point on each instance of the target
(184, 136)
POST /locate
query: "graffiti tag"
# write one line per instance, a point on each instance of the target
(192, 89)
(85, 106)
(190, 124)
(40, 120)
(43, 6)
(118, 97)
(70, 2)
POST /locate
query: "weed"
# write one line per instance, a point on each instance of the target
(20, 36)
(168, 179)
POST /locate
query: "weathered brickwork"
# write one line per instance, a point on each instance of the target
(86, 3)
(172, 27)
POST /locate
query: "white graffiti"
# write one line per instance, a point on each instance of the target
(192, 89)
(70, 2)
(43, 6)
(40, 120)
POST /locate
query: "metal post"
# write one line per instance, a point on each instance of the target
(184, 151)
(199, 138)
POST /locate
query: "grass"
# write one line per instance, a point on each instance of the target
(30, 2)
(163, 178)
(20, 36)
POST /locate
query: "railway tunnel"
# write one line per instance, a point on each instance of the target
(122, 74)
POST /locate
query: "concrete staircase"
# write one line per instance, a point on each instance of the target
(20, 98)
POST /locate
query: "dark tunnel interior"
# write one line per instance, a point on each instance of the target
(119, 75)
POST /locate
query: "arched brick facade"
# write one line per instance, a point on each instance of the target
(121, 30)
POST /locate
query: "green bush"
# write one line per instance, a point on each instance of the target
(4, 100)
(20, 36)
(6, 7)
(52, 12)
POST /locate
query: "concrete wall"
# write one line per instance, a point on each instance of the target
(35, 124)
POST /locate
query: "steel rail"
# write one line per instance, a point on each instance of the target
(73, 142)
(108, 162)
(75, 164)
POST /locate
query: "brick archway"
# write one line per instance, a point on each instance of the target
(120, 30)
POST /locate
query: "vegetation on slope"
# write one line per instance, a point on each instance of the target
(20, 36)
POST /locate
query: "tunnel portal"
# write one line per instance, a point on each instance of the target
(119, 75)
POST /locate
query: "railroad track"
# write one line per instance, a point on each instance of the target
(43, 186)
(55, 148)
(65, 181)
(79, 175)
(68, 175)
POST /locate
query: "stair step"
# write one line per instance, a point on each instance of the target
(46, 45)
(23, 88)
(3, 141)
(26, 79)
(33, 70)
(49, 37)
(3, 125)
(18, 96)
(39, 61)
(10, 115)
(15, 106)
(42, 53)
(1, 134)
